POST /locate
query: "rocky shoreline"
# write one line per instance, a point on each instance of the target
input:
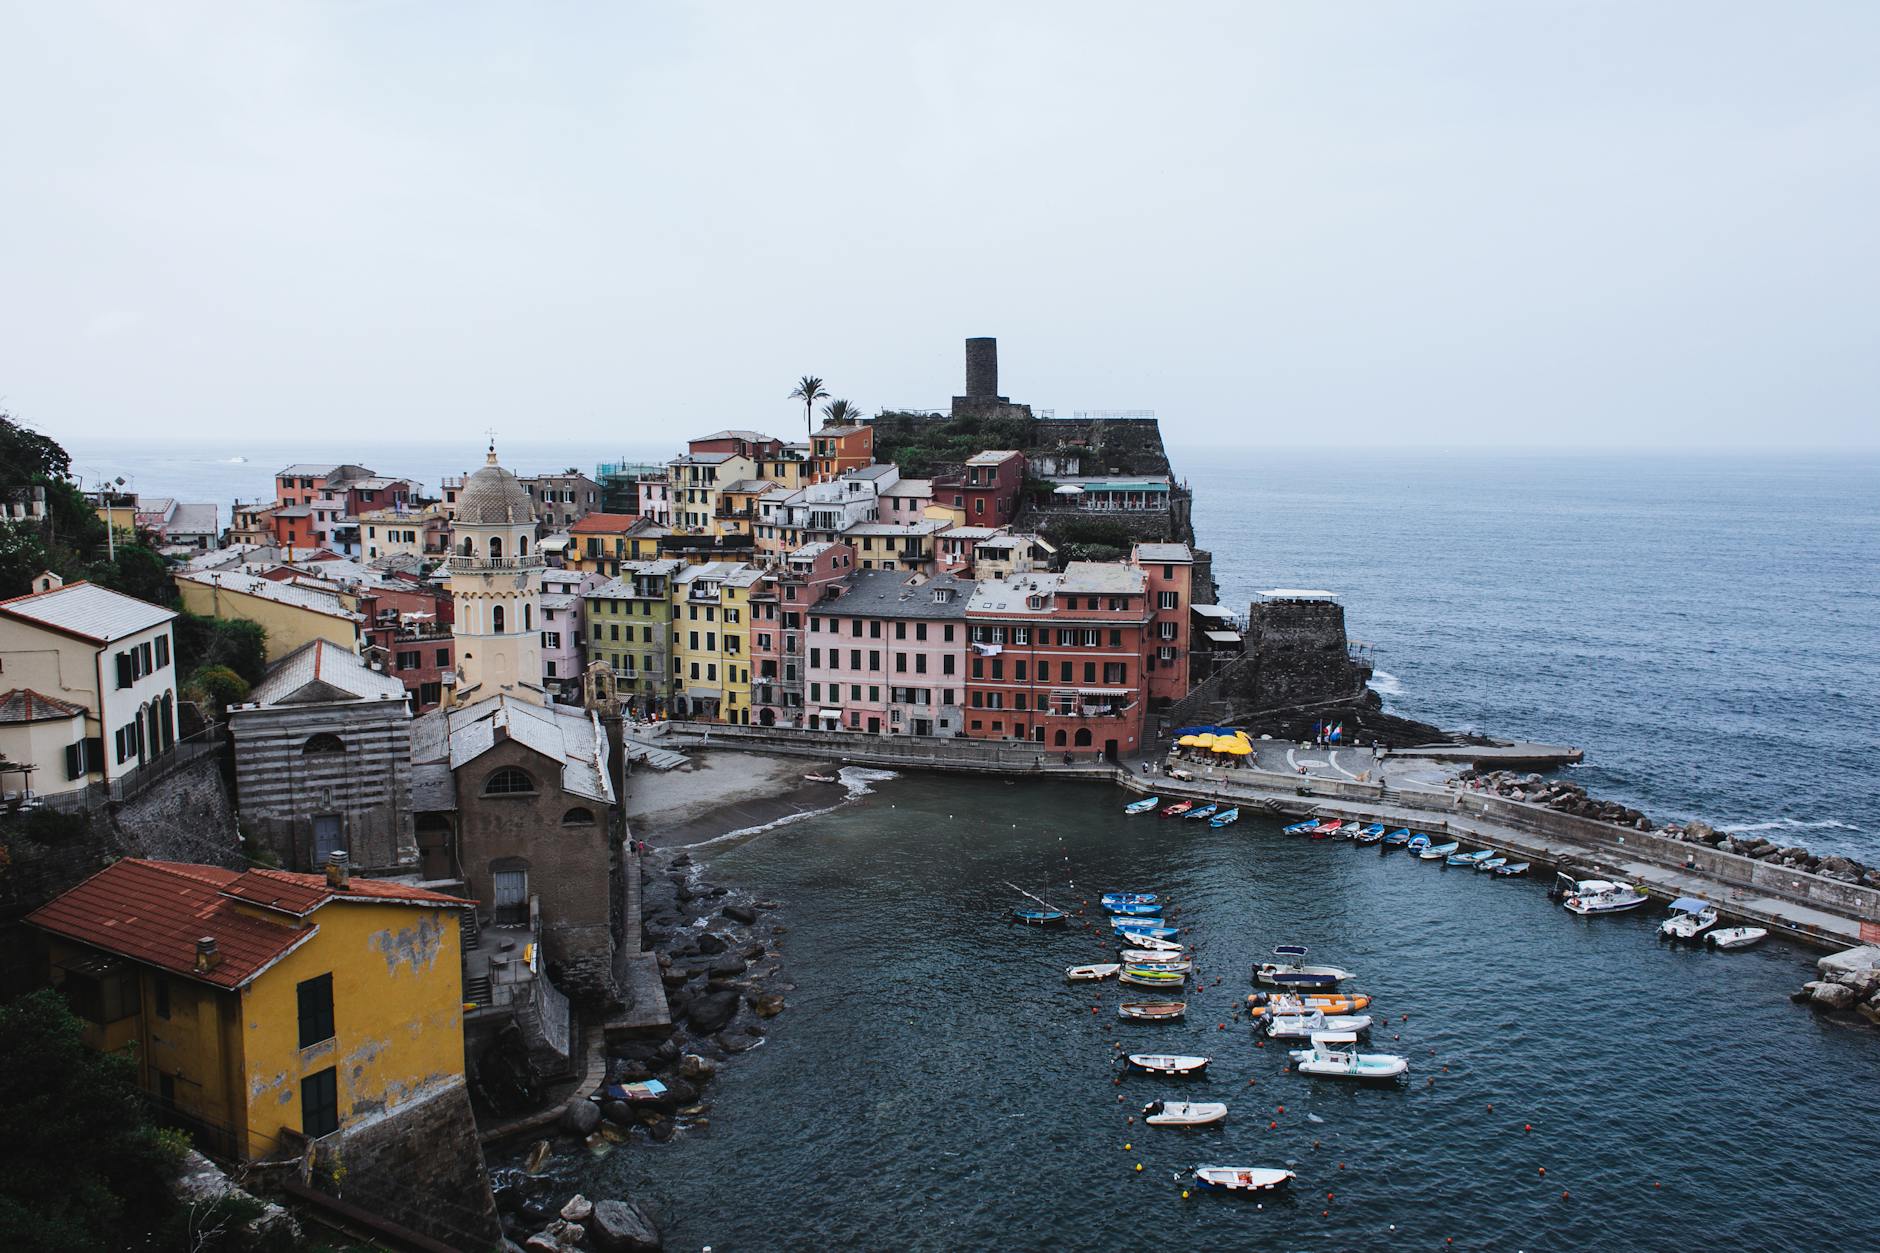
(719, 956)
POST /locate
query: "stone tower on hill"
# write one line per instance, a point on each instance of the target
(982, 399)
(496, 584)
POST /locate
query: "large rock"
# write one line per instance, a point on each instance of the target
(711, 944)
(577, 1209)
(1849, 961)
(710, 1012)
(695, 1068)
(581, 1118)
(1831, 995)
(740, 913)
(618, 1113)
(678, 1093)
(767, 1005)
(730, 966)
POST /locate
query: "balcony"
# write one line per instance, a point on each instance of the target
(496, 565)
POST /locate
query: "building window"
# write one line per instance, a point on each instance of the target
(1165, 600)
(323, 742)
(316, 1010)
(319, 1104)
(509, 781)
(579, 816)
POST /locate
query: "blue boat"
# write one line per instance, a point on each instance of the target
(1397, 838)
(1136, 909)
(1039, 917)
(1226, 818)
(1206, 811)
(1144, 926)
(1418, 842)
(1469, 859)
(1370, 832)
(1301, 828)
(1128, 898)
(1142, 806)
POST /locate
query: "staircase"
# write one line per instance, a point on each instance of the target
(657, 758)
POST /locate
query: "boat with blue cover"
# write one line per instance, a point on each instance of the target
(1110, 899)
(1437, 852)
(1134, 927)
(1136, 909)
(1397, 838)
(1142, 806)
(1301, 828)
(1511, 870)
(1226, 818)
(1369, 833)
(1490, 865)
(1469, 859)
(1417, 842)
(1203, 811)
(1288, 972)
(1039, 917)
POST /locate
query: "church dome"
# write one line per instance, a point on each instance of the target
(494, 497)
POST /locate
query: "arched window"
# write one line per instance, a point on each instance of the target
(1083, 737)
(323, 743)
(528, 616)
(579, 816)
(508, 781)
(496, 547)
(523, 551)
(1059, 741)
(468, 549)
(496, 619)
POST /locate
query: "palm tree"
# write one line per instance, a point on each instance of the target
(840, 413)
(809, 390)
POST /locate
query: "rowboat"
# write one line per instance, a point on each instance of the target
(1090, 974)
(1265, 1004)
(1151, 1011)
(1142, 806)
(1167, 1063)
(1302, 1026)
(1417, 842)
(1512, 870)
(1600, 896)
(1135, 909)
(1736, 937)
(1177, 809)
(1690, 918)
(1288, 973)
(1226, 818)
(1437, 852)
(1039, 917)
(1156, 961)
(1469, 859)
(1301, 828)
(1334, 1054)
(1135, 927)
(1397, 838)
(1127, 898)
(1326, 830)
(1492, 864)
(1373, 834)
(1205, 811)
(1155, 942)
(1147, 977)
(1242, 1178)
(1183, 1113)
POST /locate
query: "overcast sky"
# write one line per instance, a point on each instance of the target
(1424, 223)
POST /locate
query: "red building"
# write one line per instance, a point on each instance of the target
(987, 490)
(837, 449)
(1060, 659)
(1169, 569)
(779, 605)
(753, 444)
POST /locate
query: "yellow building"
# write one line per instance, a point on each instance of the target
(291, 614)
(264, 1007)
(711, 658)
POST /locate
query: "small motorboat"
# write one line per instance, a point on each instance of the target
(1417, 842)
(1690, 918)
(1373, 834)
(1437, 852)
(1155, 961)
(1142, 806)
(1326, 830)
(1137, 927)
(1183, 1113)
(1167, 1063)
(1287, 972)
(1135, 909)
(1469, 859)
(1204, 811)
(1242, 1178)
(1226, 818)
(1177, 809)
(1152, 977)
(1151, 1011)
(1600, 896)
(1110, 899)
(1039, 917)
(1155, 943)
(1397, 838)
(1301, 828)
(1736, 937)
(1090, 974)
(1335, 1055)
(1303, 1026)
(1512, 870)
(1265, 1004)
(1491, 864)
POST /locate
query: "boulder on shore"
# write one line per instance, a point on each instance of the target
(710, 1012)
(580, 1118)
(740, 913)
(711, 944)
(767, 1005)
(1823, 995)
(577, 1209)
(622, 1227)
(695, 1068)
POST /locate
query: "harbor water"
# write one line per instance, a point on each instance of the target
(936, 1084)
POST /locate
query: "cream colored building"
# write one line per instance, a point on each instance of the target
(496, 584)
(293, 615)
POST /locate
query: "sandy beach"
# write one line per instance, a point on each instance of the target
(720, 792)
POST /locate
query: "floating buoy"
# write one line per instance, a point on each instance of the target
(1270, 1126)
(1132, 1120)
(1341, 1165)
(1564, 1194)
(1222, 1027)
(1491, 1107)
(1131, 1146)
(1328, 1196)
(1279, 1109)
(1139, 1166)
(1543, 1170)
(1527, 1126)
(1184, 1194)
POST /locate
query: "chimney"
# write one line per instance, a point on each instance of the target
(207, 958)
(982, 368)
(338, 873)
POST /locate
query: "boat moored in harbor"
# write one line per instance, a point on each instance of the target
(1437, 852)
(1226, 818)
(1183, 1113)
(1266, 1004)
(1111, 899)
(1247, 1179)
(1690, 918)
(1203, 811)
(1135, 909)
(1301, 828)
(1469, 859)
(1513, 870)
(1736, 937)
(1287, 972)
(1177, 809)
(1090, 974)
(1334, 1054)
(1166, 1063)
(1151, 1011)
(1304, 1026)
(1601, 896)
(1142, 806)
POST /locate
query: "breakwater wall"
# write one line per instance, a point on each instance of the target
(1804, 906)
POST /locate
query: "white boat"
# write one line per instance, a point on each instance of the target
(1155, 942)
(1490, 865)
(1437, 852)
(1152, 977)
(1335, 1054)
(1167, 1063)
(1145, 956)
(1288, 973)
(1690, 918)
(1305, 1026)
(1183, 1113)
(1736, 937)
(1242, 1178)
(1171, 963)
(1601, 896)
(1090, 974)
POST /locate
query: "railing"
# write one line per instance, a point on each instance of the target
(476, 565)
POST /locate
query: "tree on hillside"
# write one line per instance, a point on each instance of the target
(841, 413)
(809, 390)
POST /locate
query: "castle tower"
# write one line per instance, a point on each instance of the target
(496, 584)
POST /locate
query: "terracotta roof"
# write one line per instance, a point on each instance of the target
(603, 523)
(154, 912)
(22, 704)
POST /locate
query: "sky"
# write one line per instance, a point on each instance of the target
(1434, 224)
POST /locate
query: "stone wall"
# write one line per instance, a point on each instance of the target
(1297, 654)
(366, 783)
(420, 1166)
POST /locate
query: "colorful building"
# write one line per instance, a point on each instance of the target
(904, 546)
(711, 661)
(1169, 569)
(627, 624)
(988, 488)
(598, 543)
(835, 450)
(779, 605)
(886, 654)
(562, 655)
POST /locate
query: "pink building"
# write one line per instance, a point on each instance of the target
(1169, 570)
(780, 605)
(887, 654)
(561, 629)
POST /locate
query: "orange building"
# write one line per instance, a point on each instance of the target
(837, 449)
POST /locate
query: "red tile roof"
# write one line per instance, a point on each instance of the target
(603, 523)
(22, 704)
(154, 912)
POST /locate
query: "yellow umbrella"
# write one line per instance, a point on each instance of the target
(1224, 745)
(1188, 741)
(1204, 741)
(1239, 748)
